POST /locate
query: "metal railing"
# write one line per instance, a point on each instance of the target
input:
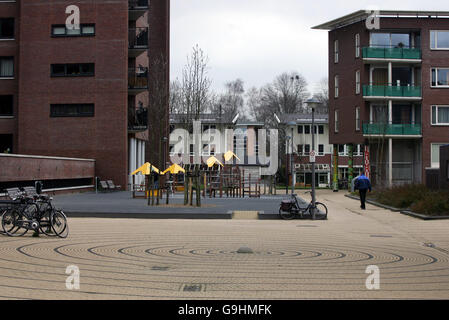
(138, 38)
(391, 91)
(392, 53)
(137, 119)
(137, 4)
(138, 78)
(402, 129)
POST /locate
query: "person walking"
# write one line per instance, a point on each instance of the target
(363, 184)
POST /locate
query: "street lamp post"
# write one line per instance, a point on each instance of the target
(312, 103)
(292, 124)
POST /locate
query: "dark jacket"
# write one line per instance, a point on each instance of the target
(362, 183)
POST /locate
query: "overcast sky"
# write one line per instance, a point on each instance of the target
(255, 40)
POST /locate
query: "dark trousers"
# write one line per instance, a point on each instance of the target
(363, 197)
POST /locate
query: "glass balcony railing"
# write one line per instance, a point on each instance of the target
(392, 91)
(392, 129)
(392, 53)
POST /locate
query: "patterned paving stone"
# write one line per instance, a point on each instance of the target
(199, 259)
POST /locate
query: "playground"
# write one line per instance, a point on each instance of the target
(123, 205)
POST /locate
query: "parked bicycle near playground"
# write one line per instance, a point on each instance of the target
(25, 212)
(290, 209)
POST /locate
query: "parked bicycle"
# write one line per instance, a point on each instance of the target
(35, 212)
(290, 209)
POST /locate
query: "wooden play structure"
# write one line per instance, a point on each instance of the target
(213, 179)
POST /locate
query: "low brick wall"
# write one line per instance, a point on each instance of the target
(25, 168)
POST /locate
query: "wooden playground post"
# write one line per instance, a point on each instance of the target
(205, 184)
(191, 191)
(186, 191)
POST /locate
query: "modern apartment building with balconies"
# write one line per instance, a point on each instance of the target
(389, 90)
(80, 93)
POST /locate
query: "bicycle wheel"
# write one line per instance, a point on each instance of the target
(59, 224)
(321, 209)
(14, 223)
(286, 215)
(45, 224)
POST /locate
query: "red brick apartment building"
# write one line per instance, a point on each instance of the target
(389, 89)
(80, 93)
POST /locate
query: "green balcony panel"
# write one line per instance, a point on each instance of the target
(392, 91)
(392, 129)
(392, 53)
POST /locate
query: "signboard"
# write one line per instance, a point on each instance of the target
(312, 156)
(366, 163)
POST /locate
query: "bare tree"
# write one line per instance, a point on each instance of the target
(195, 84)
(232, 101)
(176, 97)
(322, 95)
(158, 110)
(285, 95)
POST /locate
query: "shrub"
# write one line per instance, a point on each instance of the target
(433, 204)
(401, 196)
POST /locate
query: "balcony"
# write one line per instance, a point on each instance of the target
(392, 53)
(386, 129)
(371, 92)
(137, 80)
(137, 119)
(137, 41)
(137, 8)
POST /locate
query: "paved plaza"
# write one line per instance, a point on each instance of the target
(199, 259)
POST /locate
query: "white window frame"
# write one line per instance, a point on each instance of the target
(436, 116)
(336, 124)
(436, 39)
(357, 45)
(337, 85)
(345, 150)
(436, 75)
(318, 151)
(336, 51)
(357, 118)
(357, 82)
(432, 163)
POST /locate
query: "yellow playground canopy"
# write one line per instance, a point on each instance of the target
(229, 155)
(212, 161)
(174, 169)
(145, 169)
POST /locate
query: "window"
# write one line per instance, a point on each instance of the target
(6, 67)
(72, 110)
(336, 87)
(440, 77)
(306, 149)
(435, 154)
(439, 40)
(336, 121)
(440, 115)
(357, 82)
(357, 45)
(336, 51)
(307, 129)
(321, 149)
(192, 153)
(341, 149)
(300, 129)
(6, 28)
(320, 129)
(390, 40)
(73, 70)
(300, 149)
(83, 31)
(6, 106)
(357, 119)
